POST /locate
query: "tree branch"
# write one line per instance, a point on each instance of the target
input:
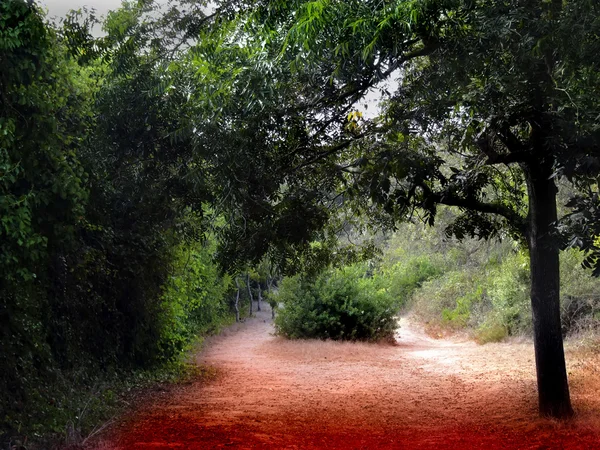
(331, 151)
(451, 199)
(510, 141)
(368, 83)
(517, 151)
(507, 159)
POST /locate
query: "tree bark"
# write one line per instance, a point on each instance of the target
(249, 292)
(259, 296)
(553, 388)
(269, 283)
(237, 301)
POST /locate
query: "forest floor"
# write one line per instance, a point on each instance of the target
(261, 391)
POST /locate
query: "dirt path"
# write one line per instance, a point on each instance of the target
(421, 393)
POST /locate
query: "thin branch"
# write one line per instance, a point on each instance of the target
(507, 159)
(368, 83)
(329, 152)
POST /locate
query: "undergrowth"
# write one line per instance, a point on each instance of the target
(483, 287)
(71, 404)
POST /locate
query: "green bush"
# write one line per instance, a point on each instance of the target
(508, 292)
(448, 298)
(492, 299)
(491, 331)
(340, 304)
(460, 316)
(407, 275)
(580, 294)
(194, 299)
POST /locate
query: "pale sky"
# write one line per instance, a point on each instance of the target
(58, 8)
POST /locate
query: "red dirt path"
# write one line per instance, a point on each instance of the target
(419, 394)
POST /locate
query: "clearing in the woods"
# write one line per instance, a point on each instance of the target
(267, 392)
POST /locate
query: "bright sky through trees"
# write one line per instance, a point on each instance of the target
(59, 8)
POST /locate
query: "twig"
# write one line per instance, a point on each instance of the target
(96, 430)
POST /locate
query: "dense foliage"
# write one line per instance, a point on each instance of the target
(44, 116)
(192, 299)
(106, 264)
(343, 304)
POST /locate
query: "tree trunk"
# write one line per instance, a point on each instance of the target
(553, 388)
(249, 293)
(237, 301)
(259, 296)
(269, 284)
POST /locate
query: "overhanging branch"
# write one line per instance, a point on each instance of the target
(336, 148)
(358, 91)
(507, 159)
(474, 204)
(517, 152)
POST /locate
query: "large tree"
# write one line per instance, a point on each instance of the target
(494, 102)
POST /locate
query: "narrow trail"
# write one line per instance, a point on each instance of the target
(419, 394)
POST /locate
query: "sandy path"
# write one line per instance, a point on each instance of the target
(420, 393)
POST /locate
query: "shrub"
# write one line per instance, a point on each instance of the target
(492, 299)
(491, 331)
(340, 304)
(481, 286)
(461, 315)
(194, 300)
(406, 276)
(580, 294)
(447, 299)
(508, 291)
